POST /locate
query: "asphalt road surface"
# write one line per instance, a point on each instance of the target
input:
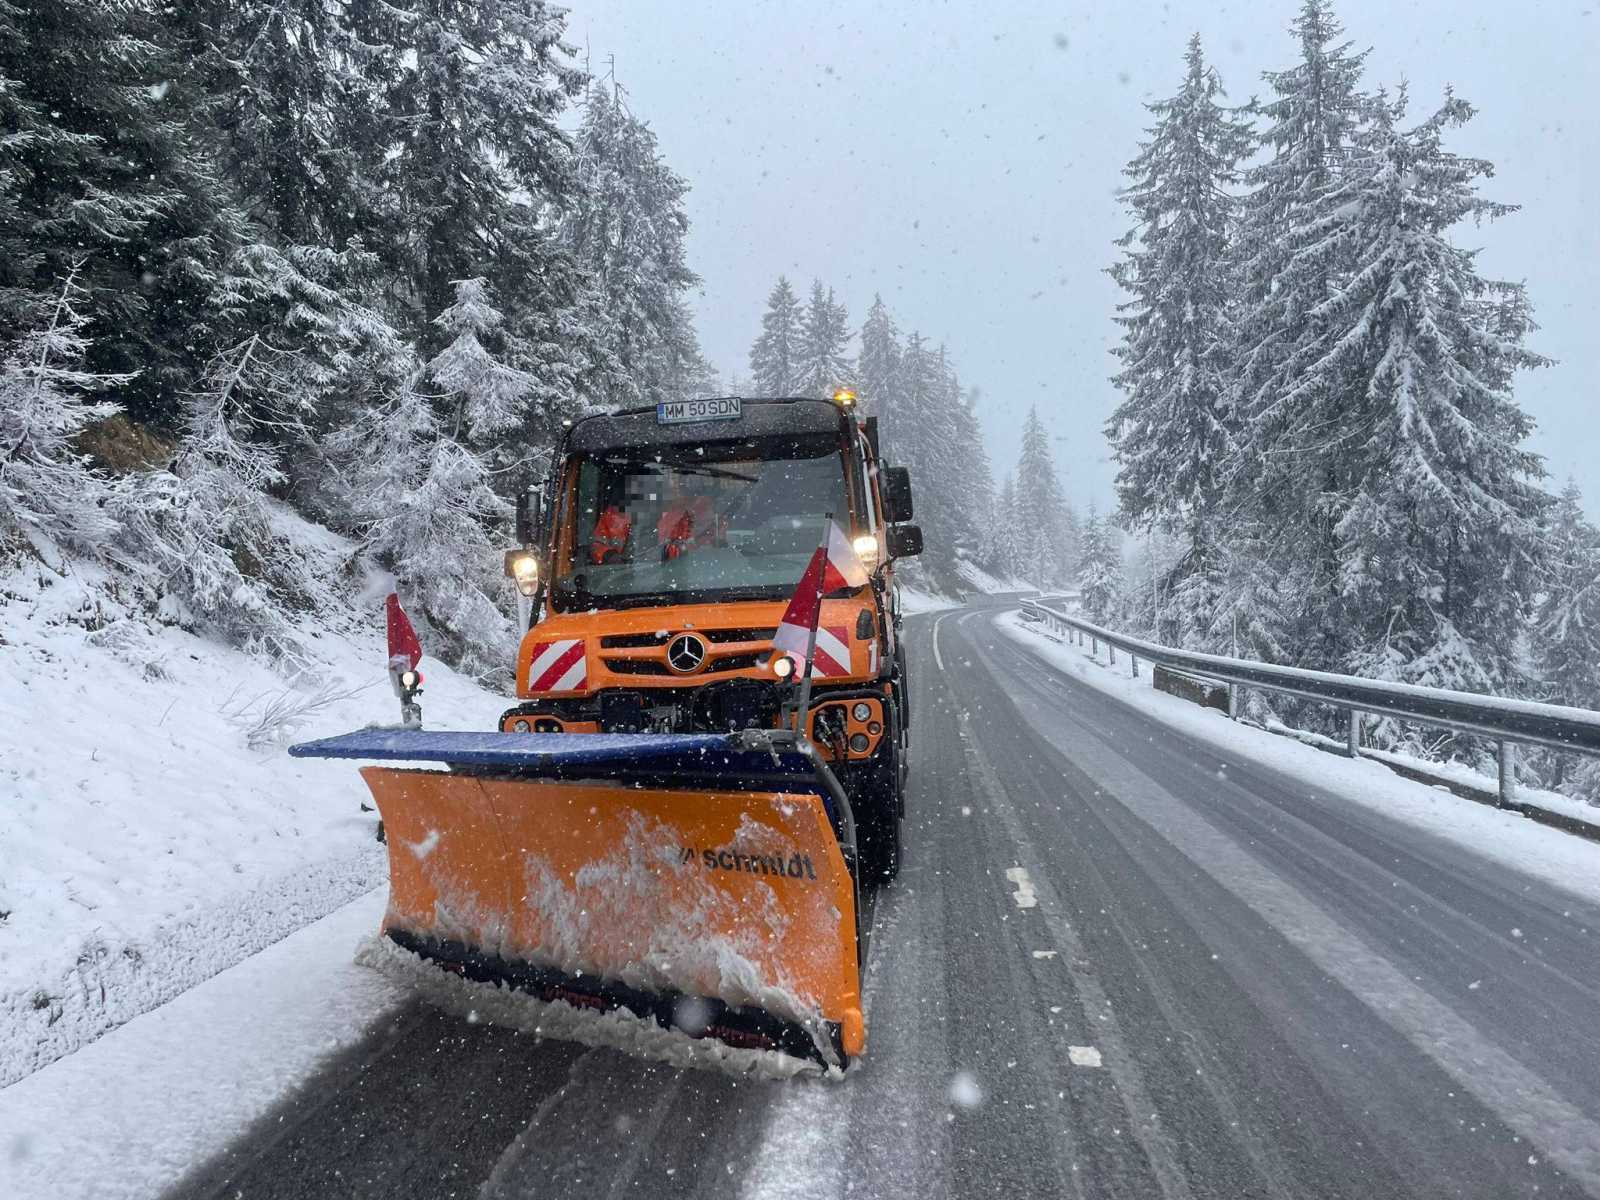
(1114, 965)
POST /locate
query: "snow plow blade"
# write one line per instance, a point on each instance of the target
(687, 879)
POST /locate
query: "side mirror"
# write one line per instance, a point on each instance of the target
(895, 483)
(528, 504)
(905, 541)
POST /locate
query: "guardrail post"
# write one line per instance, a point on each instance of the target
(1112, 650)
(1352, 741)
(1508, 773)
(1233, 702)
(1133, 662)
(1096, 649)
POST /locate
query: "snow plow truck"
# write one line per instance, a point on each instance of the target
(677, 819)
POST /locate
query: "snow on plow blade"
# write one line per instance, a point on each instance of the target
(680, 877)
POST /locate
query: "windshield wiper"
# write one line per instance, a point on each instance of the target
(664, 469)
(718, 472)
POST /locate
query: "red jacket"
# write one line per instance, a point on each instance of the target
(610, 539)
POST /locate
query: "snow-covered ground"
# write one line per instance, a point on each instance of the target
(1569, 862)
(914, 601)
(991, 585)
(128, 1115)
(155, 830)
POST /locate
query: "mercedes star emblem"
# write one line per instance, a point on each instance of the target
(686, 654)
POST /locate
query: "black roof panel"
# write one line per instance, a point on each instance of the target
(760, 418)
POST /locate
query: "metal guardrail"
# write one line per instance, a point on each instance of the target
(1508, 722)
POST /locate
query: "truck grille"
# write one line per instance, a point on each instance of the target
(648, 666)
(639, 641)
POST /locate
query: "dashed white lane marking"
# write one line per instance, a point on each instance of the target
(1083, 1056)
(1519, 1096)
(1044, 953)
(1157, 1144)
(1024, 894)
(937, 657)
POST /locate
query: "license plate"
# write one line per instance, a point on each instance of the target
(723, 408)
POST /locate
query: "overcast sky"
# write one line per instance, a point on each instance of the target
(962, 159)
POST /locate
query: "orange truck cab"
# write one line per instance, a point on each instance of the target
(660, 554)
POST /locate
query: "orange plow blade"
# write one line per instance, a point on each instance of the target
(721, 913)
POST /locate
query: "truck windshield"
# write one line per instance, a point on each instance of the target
(692, 524)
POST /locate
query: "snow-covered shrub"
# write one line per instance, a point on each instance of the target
(206, 540)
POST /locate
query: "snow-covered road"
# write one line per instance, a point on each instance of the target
(1123, 959)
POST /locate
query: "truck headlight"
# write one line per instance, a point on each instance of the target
(866, 548)
(523, 567)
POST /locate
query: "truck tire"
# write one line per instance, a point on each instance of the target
(875, 796)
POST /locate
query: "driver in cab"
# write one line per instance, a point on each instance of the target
(688, 520)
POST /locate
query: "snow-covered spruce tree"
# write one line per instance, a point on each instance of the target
(337, 351)
(29, 137)
(626, 235)
(1312, 119)
(1283, 272)
(1566, 628)
(1043, 519)
(293, 116)
(686, 372)
(487, 401)
(1404, 408)
(962, 479)
(975, 484)
(114, 176)
(288, 112)
(923, 434)
(948, 515)
(822, 366)
(1171, 433)
(877, 366)
(775, 356)
(1003, 532)
(49, 493)
(1100, 571)
(429, 514)
(480, 174)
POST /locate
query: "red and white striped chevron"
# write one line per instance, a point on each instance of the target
(559, 666)
(833, 652)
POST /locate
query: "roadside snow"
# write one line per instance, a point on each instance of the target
(991, 585)
(128, 1115)
(1560, 858)
(155, 831)
(912, 601)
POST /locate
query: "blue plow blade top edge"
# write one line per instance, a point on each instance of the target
(531, 751)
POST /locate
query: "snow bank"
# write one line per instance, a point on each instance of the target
(914, 601)
(1568, 862)
(155, 830)
(126, 1117)
(991, 585)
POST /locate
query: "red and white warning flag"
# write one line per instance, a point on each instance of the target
(800, 618)
(405, 649)
(834, 565)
